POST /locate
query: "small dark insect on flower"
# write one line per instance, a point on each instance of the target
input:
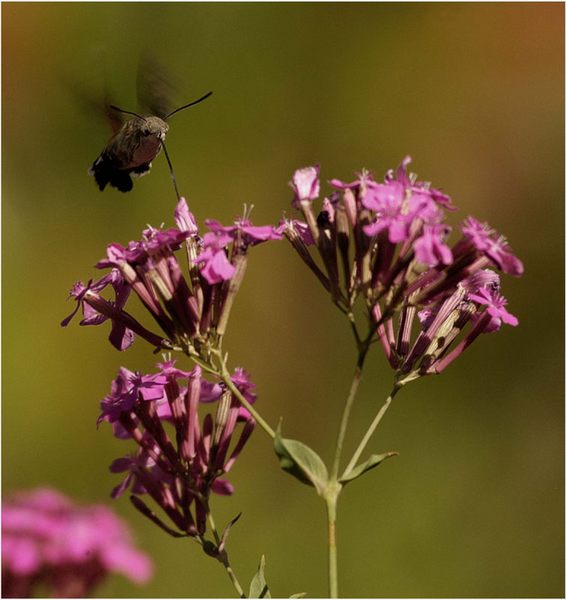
(133, 146)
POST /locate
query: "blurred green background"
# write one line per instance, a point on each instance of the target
(473, 506)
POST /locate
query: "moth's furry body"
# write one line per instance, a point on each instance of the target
(135, 143)
(129, 152)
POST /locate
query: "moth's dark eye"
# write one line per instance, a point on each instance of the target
(146, 131)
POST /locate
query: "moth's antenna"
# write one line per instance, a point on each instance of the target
(171, 170)
(187, 105)
(127, 112)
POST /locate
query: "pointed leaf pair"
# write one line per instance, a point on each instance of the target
(301, 462)
(258, 586)
(373, 461)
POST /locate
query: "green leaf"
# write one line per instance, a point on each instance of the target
(258, 586)
(301, 462)
(373, 461)
(226, 532)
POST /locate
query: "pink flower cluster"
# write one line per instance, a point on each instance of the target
(194, 308)
(51, 543)
(180, 459)
(387, 243)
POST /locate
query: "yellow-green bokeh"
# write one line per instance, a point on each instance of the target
(473, 506)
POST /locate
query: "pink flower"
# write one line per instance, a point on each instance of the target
(184, 218)
(181, 306)
(180, 464)
(495, 307)
(298, 227)
(244, 231)
(127, 388)
(215, 264)
(243, 382)
(386, 200)
(306, 185)
(430, 248)
(386, 245)
(121, 337)
(419, 187)
(49, 541)
(495, 246)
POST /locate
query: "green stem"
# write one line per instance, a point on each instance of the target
(334, 487)
(223, 557)
(354, 329)
(370, 431)
(348, 407)
(212, 524)
(224, 560)
(331, 501)
(225, 375)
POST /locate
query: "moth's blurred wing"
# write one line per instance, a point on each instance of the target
(96, 104)
(154, 87)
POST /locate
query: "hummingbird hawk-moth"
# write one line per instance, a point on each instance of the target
(136, 142)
